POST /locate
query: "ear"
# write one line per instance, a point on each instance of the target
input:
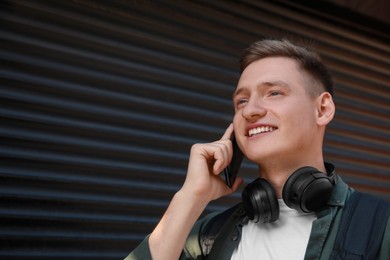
(325, 109)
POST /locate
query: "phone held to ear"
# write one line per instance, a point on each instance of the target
(231, 171)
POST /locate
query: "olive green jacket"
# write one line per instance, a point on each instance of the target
(319, 247)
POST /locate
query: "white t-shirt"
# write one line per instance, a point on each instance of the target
(286, 238)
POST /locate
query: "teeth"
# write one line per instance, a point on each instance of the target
(261, 129)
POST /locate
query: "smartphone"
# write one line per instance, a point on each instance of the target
(231, 171)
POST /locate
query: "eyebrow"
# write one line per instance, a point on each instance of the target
(262, 84)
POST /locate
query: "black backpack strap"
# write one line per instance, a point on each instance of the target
(213, 228)
(361, 227)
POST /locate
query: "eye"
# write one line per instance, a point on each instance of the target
(274, 93)
(241, 101)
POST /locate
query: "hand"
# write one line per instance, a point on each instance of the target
(202, 185)
(206, 162)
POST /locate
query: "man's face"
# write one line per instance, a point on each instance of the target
(275, 118)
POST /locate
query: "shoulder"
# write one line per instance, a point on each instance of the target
(384, 252)
(364, 227)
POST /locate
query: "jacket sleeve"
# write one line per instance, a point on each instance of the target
(192, 248)
(142, 251)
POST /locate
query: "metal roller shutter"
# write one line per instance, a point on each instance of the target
(100, 102)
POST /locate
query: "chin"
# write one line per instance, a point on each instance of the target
(258, 158)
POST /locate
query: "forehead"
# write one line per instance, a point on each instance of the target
(272, 69)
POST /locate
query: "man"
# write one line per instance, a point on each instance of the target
(283, 103)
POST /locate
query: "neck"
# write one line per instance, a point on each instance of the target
(277, 174)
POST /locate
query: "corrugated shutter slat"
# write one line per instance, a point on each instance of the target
(101, 101)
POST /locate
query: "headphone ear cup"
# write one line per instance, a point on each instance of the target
(307, 190)
(260, 202)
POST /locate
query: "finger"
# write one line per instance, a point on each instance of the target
(228, 133)
(222, 155)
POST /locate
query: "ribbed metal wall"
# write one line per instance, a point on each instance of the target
(100, 102)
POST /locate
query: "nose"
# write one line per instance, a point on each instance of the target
(253, 110)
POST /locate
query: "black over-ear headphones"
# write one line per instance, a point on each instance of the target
(306, 190)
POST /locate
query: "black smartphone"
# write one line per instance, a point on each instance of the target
(231, 171)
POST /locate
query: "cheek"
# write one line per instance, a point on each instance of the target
(300, 118)
(236, 121)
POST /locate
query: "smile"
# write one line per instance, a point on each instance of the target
(260, 130)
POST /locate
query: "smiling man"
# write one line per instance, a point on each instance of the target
(275, 94)
(293, 210)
